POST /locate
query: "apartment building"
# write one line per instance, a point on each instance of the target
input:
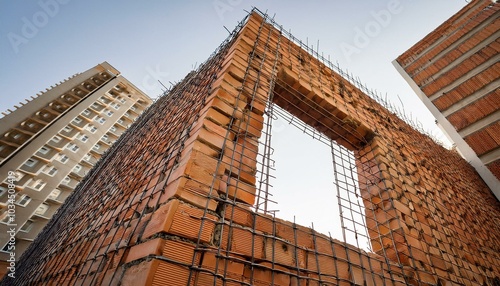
(48, 144)
(455, 70)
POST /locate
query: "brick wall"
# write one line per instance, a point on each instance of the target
(172, 202)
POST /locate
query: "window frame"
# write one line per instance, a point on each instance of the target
(22, 198)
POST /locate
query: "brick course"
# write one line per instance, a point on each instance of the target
(171, 204)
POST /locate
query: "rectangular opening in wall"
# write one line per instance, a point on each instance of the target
(307, 178)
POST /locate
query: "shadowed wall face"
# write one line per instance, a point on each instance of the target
(177, 200)
(455, 71)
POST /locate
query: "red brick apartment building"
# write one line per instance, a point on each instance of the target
(455, 70)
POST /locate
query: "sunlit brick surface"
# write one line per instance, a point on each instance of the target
(174, 202)
(457, 67)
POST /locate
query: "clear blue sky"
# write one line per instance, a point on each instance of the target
(43, 42)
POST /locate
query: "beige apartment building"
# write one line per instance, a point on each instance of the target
(48, 144)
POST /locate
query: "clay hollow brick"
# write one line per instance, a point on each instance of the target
(190, 219)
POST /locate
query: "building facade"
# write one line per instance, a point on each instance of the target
(49, 144)
(455, 70)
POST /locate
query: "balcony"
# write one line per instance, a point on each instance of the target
(142, 103)
(124, 122)
(89, 115)
(69, 99)
(23, 181)
(69, 132)
(129, 115)
(15, 138)
(105, 76)
(32, 126)
(135, 111)
(6, 150)
(79, 92)
(57, 196)
(112, 137)
(32, 166)
(88, 85)
(79, 123)
(45, 115)
(46, 153)
(79, 173)
(58, 106)
(34, 187)
(45, 211)
(116, 130)
(97, 107)
(58, 142)
(98, 149)
(89, 160)
(68, 183)
(97, 80)
(106, 141)
(104, 100)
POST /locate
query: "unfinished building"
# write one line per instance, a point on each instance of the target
(180, 199)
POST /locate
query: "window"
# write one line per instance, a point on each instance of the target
(56, 139)
(23, 201)
(68, 129)
(120, 121)
(109, 112)
(96, 105)
(31, 162)
(38, 185)
(50, 170)
(27, 226)
(7, 245)
(123, 100)
(96, 147)
(18, 175)
(54, 194)
(73, 147)
(44, 150)
(115, 106)
(7, 219)
(31, 125)
(132, 108)
(3, 191)
(84, 138)
(77, 120)
(113, 128)
(100, 119)
(16, 136)
(62, 158)
(77, 168)
(42, 209)
(92, 128)
(105, 138)
(86, 112)
(66, 180)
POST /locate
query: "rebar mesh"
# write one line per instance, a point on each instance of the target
(183, 197)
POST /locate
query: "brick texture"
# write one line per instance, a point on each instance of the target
(457, 67)
(172, 202)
